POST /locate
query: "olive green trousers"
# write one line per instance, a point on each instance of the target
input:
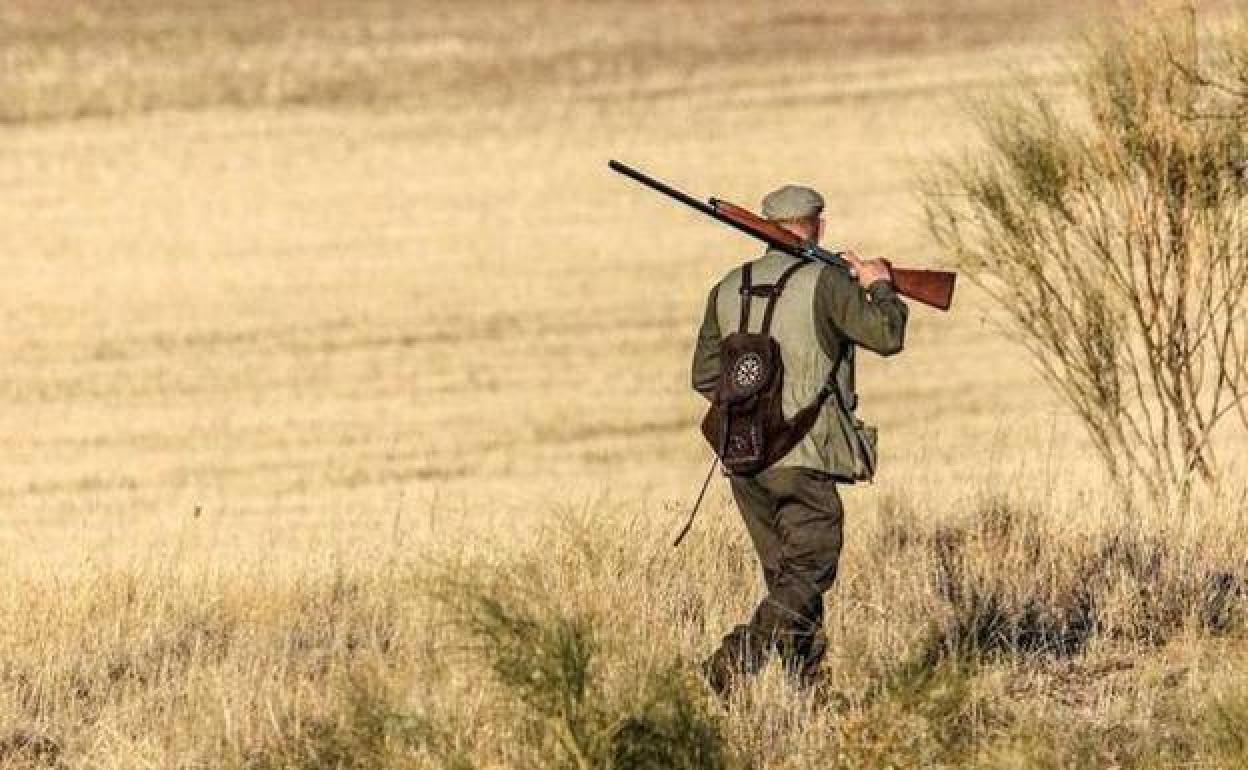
(794, 518)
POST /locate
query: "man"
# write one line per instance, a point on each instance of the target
(791, 509)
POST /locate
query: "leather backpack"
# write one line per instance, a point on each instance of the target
(745, 424)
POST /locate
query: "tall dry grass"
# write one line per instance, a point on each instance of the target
(309, 465)
(1007, 636)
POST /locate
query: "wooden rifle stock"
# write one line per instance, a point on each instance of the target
(774, 233)
(931, 287)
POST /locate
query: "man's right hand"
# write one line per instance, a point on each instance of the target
(868, 271)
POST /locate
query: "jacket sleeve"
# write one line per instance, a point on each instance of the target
(706, 355)
(874, 318)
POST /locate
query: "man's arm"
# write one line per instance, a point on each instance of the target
(706, 355)
(874, 317)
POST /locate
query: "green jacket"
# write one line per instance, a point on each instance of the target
(820, 318)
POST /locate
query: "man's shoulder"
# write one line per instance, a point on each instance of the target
(732, 277)
(836, 283)
(768, 267)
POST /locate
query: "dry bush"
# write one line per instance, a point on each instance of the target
(1112, 236)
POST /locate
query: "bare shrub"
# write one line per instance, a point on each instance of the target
(1111, 233)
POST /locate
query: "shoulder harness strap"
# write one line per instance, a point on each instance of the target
(776, 291)
(747, 295)
(771, 292)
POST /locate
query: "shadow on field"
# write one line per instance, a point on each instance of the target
(1010, 589)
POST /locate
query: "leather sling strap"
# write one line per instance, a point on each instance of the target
(802, 422)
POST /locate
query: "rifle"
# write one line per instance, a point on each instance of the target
(931, 287)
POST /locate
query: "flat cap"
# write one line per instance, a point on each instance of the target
(792, 202)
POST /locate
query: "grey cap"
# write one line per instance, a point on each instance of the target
(792, 202)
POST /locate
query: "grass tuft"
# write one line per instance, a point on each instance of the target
(22, 748)
(550, 663)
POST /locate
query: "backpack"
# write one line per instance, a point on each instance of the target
(745, 424)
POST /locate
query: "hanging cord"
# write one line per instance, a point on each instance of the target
(693, 514)
(723, 446)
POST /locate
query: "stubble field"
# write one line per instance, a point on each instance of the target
(322, 321)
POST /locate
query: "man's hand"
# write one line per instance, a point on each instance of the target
(868, 271)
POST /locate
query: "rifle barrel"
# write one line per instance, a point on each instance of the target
(667, 190)
(713, 212)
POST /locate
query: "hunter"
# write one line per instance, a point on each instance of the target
(792, 509)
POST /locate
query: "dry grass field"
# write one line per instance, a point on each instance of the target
(326, 330)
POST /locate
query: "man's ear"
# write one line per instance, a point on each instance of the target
(818, 229)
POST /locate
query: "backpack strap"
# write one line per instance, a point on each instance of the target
(776, 291)
(772, 292)
(747, 296)
(801, 423)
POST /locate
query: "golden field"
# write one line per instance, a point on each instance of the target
(312, 310)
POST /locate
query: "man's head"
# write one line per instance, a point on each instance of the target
(795, 208)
